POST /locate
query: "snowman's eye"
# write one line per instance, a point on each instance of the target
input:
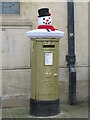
(49, 17)
(43, 22)
(43, 18)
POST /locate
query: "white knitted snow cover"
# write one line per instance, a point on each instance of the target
(43, 33)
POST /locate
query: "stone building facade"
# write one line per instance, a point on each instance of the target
(15, 66)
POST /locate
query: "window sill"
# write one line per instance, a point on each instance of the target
(9, 22)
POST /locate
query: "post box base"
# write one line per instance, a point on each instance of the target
(44, 108)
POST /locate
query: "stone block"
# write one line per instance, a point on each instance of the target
(16, 82)
(15, 48)
(81, 33)
(63, 74)
(82, 91)
(0, 48)
(0, 82)
(0, 102)
(82, 73)
(16, 101)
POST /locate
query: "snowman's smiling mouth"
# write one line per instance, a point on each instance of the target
(47, 23)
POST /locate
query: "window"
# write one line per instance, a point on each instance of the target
(10, 7)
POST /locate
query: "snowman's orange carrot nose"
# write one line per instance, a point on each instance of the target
(47, 20)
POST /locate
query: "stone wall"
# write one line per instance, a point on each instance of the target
(15, 65)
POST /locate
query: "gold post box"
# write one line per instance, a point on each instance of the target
(44, 99)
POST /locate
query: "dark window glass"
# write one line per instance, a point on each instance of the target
(10, 8)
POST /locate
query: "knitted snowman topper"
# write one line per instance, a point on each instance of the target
(44, 20)
(45, 28)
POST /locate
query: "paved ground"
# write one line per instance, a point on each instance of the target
(67, 111)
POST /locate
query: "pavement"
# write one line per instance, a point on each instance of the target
(67, 111)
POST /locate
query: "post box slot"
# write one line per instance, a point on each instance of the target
(48, 46)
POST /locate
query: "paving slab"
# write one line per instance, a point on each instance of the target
(76, 111)
(67, 111)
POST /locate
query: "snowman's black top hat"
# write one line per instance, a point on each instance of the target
(43, 12)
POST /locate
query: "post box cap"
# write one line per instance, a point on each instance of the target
(39, 33)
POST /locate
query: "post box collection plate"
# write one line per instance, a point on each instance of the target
(48, 58)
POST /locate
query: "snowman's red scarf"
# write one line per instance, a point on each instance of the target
(47, 27)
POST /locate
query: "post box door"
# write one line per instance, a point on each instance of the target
(47, 70)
